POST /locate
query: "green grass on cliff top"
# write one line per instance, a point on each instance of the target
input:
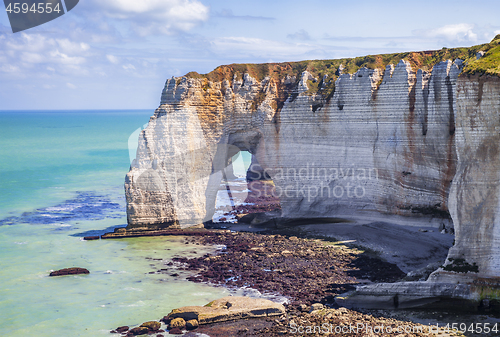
(425, 60)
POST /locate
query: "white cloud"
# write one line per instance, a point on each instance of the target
(259, 48)
(71, 85)
(129, 67)
(37, 44)
(9, 68)
(25, 52)
(29, 57)
(27, 42)
(113, 59)
(72, 47)
(301, 35)
(461, 32)
(61, 58)
(228, 14)
(157, 16)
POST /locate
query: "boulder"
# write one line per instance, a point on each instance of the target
(175, 331)
(191, 324)
(316, 306)
(177, 322)
(152, 325)
(141, 330)
(229, 308)
(69, 271)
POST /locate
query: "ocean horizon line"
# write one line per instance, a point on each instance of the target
(72, 110)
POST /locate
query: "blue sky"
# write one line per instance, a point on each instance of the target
(117, 54)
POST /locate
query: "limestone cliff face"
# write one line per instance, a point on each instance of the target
(474, 196)
(382, 141)
(472, 270)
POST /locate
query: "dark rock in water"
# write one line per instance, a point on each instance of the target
(141, 330)
(69, 271)
(166, 319)
(90, 238)
(175, 331)
(122, 329)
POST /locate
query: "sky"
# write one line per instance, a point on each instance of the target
(117, 54)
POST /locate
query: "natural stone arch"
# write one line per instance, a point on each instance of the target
(230, 145)
(398, 122)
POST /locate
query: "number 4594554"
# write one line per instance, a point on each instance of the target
(473, 327)
(35, 8)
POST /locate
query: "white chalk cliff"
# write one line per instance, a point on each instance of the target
(415, 144)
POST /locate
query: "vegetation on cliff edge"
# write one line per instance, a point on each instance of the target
(425, 60)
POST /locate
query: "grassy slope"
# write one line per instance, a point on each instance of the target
(490, 63)
(425, 60)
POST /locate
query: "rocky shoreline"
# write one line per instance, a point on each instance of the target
(308, 272)
(277, 264)
(294, 266)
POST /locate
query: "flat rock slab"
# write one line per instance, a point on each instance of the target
(229, 308)
(121, 233)
(404, 295)
(69, 271)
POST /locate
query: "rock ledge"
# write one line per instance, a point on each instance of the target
(229, 308)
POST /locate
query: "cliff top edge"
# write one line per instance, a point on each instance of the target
(488, 64)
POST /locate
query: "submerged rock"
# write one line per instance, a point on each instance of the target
(122, 329)
(69, 271)
(175, 331)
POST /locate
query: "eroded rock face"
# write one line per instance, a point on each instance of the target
(474, 196)
(383, 143)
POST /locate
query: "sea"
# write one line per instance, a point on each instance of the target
(61, 178)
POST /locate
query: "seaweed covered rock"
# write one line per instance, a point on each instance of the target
(69, 271)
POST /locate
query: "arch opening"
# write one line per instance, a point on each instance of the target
(246, 193)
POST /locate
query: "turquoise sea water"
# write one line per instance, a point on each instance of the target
(61, 178)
